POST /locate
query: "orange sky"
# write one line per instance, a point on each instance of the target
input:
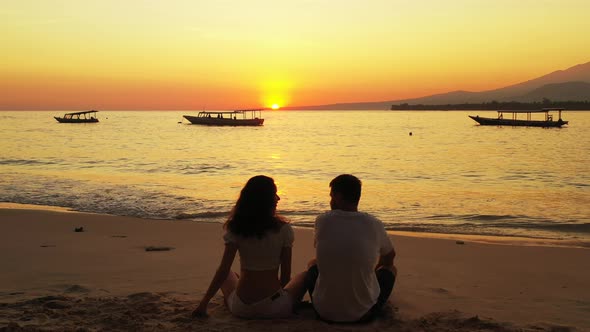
(221, 54)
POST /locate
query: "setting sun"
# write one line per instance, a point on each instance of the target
(275, 106)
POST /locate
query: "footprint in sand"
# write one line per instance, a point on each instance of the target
(440, 290)
(154, 248)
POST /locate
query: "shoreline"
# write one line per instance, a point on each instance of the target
(488, 239)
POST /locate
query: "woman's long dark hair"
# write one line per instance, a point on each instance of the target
(255, 211)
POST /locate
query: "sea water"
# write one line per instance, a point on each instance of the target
(422, 171)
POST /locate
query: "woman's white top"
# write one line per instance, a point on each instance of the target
(262, 254)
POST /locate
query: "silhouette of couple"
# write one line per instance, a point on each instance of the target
(349, 280)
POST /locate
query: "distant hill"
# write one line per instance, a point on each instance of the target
(570, 84)
(558, 92)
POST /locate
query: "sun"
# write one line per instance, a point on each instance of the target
(275, 106)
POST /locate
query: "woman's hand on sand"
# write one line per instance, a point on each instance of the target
(201, 311)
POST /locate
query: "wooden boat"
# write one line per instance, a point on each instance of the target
(247, 117)
(548, 121)
(78, 117)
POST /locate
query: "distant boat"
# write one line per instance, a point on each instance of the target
(529, 122)
(78, 117)
(247, 117)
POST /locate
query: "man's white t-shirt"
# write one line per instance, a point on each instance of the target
(348, 247)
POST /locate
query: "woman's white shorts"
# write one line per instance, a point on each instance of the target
(278, 305)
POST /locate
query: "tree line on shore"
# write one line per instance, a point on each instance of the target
(496, 105)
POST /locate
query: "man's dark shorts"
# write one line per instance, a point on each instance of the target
(385, 277)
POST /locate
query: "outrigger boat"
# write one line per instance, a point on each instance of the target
(513, 121)
(247, 117)
(78, 117)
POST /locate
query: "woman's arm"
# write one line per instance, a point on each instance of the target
(286, 254)
(220, 275)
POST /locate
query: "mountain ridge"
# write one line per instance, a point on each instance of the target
(571, 82)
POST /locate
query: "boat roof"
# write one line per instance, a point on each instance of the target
(544, 110)
(232, 112)
(83, 112)
(249, 110)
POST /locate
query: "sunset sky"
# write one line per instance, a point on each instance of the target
(221, 54)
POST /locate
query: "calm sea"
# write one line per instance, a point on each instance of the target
(449, 176)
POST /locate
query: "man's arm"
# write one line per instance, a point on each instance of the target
(386, 261)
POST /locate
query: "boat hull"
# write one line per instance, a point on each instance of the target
(520, 123)
(63, 120)
(223, 122)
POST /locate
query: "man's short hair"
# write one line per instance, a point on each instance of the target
(349, 186)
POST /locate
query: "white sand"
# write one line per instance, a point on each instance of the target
(54, 278)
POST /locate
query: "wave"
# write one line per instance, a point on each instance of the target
(295, 213)
(153, 202)
(158, 208)
(29, 162)
(205, 168)
(475, 217)
(122, 164)
(538, 230)
(290, 214)
(202, 215)
(512, 221)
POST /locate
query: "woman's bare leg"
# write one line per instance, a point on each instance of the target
(296, 287)
(229, 285)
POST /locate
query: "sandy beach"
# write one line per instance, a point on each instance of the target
(123, 273)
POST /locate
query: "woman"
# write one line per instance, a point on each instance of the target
(264, 241)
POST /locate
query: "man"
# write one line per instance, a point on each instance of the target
(353, 274)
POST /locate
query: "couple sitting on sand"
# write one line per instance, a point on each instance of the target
(349, 280)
